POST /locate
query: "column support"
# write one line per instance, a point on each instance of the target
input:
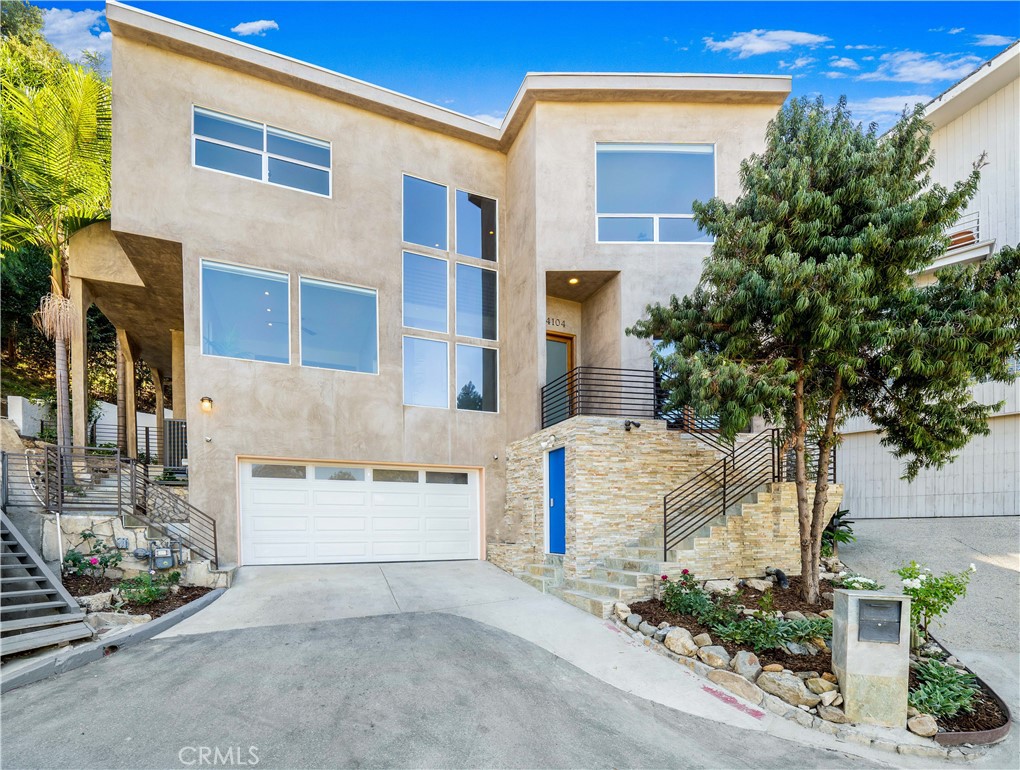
(178, 391)
(81, 299)
(130, 395)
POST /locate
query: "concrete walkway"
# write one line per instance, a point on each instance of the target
(404, 665)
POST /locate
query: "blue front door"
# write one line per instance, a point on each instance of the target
(557, 503)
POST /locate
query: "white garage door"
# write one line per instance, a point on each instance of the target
(320, 514)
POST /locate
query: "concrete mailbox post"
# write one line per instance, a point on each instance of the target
(871, 655)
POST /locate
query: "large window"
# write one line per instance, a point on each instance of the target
(645, 191)
(339, 328)
(476, 302)
(257, 151)
(424, 213)
(476, 226)
(425, 303)
(245, 313)
(477, 380)
(426, 373)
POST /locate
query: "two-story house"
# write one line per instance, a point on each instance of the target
(364, 303)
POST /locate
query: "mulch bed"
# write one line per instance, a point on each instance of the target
(787, 600)
(986, 715)
(80, 585)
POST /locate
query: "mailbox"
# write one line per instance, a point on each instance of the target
(879, 621)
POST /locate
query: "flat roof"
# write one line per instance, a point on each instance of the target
(143, 26)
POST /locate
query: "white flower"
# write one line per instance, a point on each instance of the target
(922, 577)
(912, 583)
(842, 574)
(972, 567)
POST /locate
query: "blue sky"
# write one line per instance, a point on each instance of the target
(471, 56)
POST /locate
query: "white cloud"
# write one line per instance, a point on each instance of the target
(885, 110)
(862, 47)
(798, 63)
(74, 32)
(956, 30)
(260, 27)
(492, 120)
(843, 62)
(835, 75)
(759, 41)
(916, 67)
(999, 41)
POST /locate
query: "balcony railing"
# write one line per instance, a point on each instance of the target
(166, 448)
(966, 231)
(601, 392)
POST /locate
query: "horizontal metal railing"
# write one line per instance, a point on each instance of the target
(603, 392)
(966, 231)
(166, 448)
(712, 492)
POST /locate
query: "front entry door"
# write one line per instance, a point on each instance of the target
(557, 502)
(559, 360)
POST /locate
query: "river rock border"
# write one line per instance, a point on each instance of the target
(810, 701)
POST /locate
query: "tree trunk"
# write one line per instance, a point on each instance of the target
(63, 393)
(825, 444)
(809, 574)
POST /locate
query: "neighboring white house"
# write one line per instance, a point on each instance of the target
(978, 114)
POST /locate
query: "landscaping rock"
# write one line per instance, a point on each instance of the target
(805, 675)
(715, 656)
(819, 685)
(95, 602)
(923, 725)
(663, 625)
(829, 677)
(819, 643)
(811, 649)
(954, 662)
(747, 665)
(680, 641)
(813, 616)
(832, 714)
(828, 697)
(789, 688)
(796, 649)
(660, 635)
(838, 701)
(794, 615)
(826, 575)
(633, 621)
(724, 587)
(621, 610)
(737, 685)
(114, 619)
(703, 640)
(826, 613)
(912, 712)
(827, 595)
(772, 668)
(758, 585)
(647, 628)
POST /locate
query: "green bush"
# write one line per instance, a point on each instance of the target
(931, 596)
(146, 588)
(93, 564)
(944, 690)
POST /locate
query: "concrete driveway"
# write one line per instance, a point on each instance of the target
(404, 665)
(983, 628)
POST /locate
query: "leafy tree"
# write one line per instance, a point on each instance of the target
(56, 175)
(807, 312)
(21, 21)
(469, 397)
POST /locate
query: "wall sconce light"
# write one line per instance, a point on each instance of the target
(206, 404)
(628, 424)
(548, 442)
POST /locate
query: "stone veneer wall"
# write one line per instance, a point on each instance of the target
(615, 484)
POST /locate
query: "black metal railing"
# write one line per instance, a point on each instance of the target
(715, 490)
(601, 392)
(89, 480)
(166, 448)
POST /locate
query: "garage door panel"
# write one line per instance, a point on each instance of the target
(319, 519)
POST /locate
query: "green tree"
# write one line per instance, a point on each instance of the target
(56, 176)
(807, 312)
(469, 398)
(21, 21)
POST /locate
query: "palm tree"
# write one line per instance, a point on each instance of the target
(56, 164)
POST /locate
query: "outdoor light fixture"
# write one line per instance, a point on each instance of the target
(206, 403)
(628, 424)
(548, 442)
(573, 281)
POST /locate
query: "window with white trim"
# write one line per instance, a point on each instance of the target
(645, 191)
(245, 313)
(339, 326)
(246, 148)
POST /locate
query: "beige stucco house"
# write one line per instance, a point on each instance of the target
(374, 312)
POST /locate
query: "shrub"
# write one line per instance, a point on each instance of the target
(944, 690)
(837, 532)
(685, 597)
(95, 562)
(146, 588)
(931, 596)
(856, 582)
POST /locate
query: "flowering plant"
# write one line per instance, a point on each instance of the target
(931, 596)
(856, 582)
(91, 557)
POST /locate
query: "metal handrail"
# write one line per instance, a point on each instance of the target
(601, 391)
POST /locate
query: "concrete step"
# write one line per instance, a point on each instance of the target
(599, 606)
(631, 564)
(546, 571)
(625, 577)
(614, 591)
(536, 581)
(554, 559)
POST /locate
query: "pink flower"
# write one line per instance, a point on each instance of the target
(665, 577)
(685, 572)
(93, 561)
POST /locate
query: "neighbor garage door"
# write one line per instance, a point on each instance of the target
(295, 513)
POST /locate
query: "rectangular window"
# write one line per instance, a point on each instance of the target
(477, 379)
(258, 151)
(425, 218)
(476, 302)
(445, 477)
(399, 476)
(476, 226)
(425, 292)
(245, 313)
(645, 191)
(266, 471)
(426, 373)
(339, 328)
(333, 473)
